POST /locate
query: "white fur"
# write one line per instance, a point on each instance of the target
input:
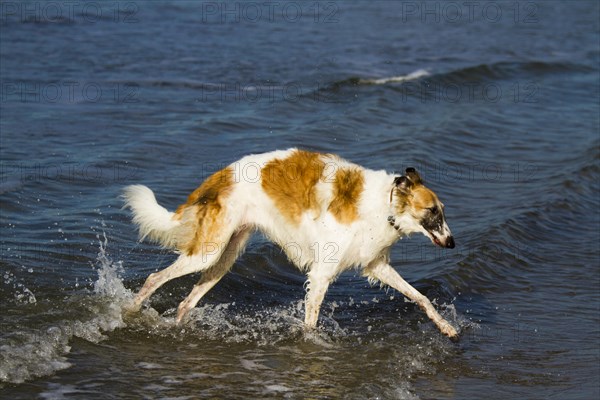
(154, 221)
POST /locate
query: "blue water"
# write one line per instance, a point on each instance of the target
(495, 103)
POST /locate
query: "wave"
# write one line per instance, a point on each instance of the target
(273, 90)
(420, 73)
(508, 70)
(499, 70)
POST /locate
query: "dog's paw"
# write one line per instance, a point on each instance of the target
(454, 337)
(131, 309)
(449, 331)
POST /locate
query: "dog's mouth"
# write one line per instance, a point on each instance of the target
(447, 244)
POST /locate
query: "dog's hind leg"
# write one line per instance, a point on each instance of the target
(384, 273)
(209, 253)
(214, 274)
(184, 265)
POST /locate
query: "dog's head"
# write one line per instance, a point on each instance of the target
(418, 209)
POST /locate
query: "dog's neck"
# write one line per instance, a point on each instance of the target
(376, 203)
(392, 221)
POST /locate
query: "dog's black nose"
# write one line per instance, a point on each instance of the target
(450, 243)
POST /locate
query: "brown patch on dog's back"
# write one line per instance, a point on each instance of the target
(203, 212)
(347, 188)
(290, 183)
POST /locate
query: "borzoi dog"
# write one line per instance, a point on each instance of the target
(299, 200)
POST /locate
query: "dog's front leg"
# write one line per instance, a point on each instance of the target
(317, 287)
(384, 273)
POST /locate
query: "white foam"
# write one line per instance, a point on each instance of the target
(148, 365)
(263, 326)
(58, 391)
(277, 388)
(252, 365)
(397, 79)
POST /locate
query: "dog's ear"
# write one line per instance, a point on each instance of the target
(403, 184)
(413, 175)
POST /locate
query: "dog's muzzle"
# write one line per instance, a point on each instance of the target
(446, 242)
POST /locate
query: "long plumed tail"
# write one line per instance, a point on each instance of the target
(153, 220)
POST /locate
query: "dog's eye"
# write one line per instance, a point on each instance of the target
(434, 210)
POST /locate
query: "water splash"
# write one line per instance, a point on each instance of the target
(22, 294)
(233, 323)
(110, 282)
(29, 353)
